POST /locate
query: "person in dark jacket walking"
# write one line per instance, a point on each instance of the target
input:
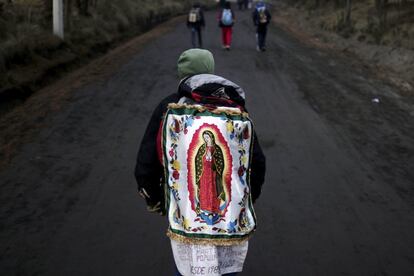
(221, 4)
(195, 22)
(240, 4)
(226, 19)
(261, 18)
(201, 164)
(243, 4)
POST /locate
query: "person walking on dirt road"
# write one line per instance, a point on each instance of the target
(200, 163)
(243, 4)
(226, 21)
(221, 4)
(261, 18)
(195, 22)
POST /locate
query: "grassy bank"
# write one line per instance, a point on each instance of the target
(387, 47)
(379, 22)
(31, 57)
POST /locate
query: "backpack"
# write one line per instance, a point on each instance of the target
(262, 16)
(227, 17)
(206, 158)
(194, 15)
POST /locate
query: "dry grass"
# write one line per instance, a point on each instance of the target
(29, 51)
(23, 123)
(398, 32)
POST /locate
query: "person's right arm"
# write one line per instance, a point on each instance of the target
(254, 17)
(148, 170)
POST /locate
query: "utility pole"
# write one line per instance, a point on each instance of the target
(58, 18)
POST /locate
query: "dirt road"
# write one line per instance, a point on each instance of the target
(339, 191)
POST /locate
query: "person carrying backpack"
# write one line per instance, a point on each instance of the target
(200, 163)
(240, 4)
(226, 21)
(195, 21)
(221, 3)
(261, 18)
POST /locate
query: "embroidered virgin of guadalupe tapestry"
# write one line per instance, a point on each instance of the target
(207, 157)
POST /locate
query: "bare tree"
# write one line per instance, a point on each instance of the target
(348, 12)
(83, 7)
(381, 6)
(68, 13)
(47, 11)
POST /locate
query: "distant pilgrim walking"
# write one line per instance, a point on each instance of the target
(261, 18)
(200, 163)
(226, 19)
(243, 4)
(195, 21)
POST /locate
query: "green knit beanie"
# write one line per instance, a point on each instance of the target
(195, 61)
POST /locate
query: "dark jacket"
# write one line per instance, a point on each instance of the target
(222, 3)
(256, 18)
(149, 170)
(200, 23)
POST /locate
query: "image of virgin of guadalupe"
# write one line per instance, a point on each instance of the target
(210, 194)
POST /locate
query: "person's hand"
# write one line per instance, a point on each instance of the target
(156, 209)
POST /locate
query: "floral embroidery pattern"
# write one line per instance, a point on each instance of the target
(185, 223)
(175, 129)
(207, 166)
(241, 134)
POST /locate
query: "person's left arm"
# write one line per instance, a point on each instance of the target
(202, 20)
(257, 169)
